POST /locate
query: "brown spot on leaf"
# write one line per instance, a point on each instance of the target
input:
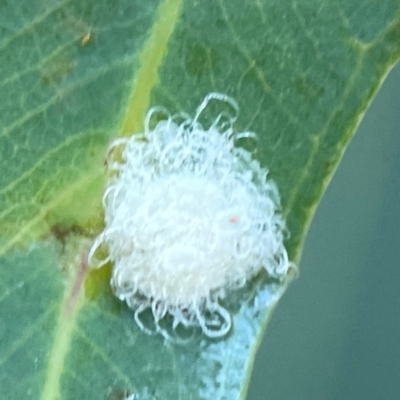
(61, 232)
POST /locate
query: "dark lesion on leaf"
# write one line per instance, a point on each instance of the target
(118, 394)
(61, 232)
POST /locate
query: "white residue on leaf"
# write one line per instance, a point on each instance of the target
(188, 216)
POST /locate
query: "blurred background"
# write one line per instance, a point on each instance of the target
(336, 332)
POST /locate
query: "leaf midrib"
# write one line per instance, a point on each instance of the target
(146, 77)
(151, 58)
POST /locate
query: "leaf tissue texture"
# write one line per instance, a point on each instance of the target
(76, 74)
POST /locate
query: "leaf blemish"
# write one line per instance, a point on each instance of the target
(183, 214)
(77, 284)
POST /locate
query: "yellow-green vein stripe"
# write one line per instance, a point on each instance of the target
(151, 58)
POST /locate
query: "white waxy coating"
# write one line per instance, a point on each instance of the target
(189, 215)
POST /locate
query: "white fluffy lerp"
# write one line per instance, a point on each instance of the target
(189, 215)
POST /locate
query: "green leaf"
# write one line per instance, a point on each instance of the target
(75, 74)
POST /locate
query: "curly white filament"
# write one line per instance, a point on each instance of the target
(188, 215)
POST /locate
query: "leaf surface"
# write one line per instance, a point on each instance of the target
(73, 76)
